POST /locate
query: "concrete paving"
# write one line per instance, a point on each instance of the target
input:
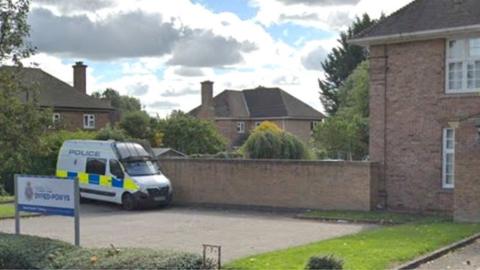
(240, 233)
(465, 258)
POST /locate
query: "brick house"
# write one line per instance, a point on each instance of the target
(72, 108)
(237, 112)
(425, 106)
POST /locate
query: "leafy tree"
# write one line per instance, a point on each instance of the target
(190, 135)
(345, 135)
(122, 103)
(340, 63)
(136, 124)
(14, 30)
(110, 133)
(22, 121)
(268, 141)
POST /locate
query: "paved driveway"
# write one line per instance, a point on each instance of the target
(465, 258)
(240, 233)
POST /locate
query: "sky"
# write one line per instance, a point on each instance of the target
(159, 51)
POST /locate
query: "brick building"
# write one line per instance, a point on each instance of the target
(236, 113)
(72, 108)
(425, 106)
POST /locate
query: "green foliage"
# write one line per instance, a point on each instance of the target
(345, 135)
(110, 133)
(14, 31)
(123, 104)
(45, 162)
(268, 126)
(273, 143)
(190, 135)
(29, 252)
(324, 263)
(136, 124)
(21, 126)
(340, 63)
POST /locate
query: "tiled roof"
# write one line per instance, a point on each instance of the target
(426, 15)
(55, 93)
(260, 102)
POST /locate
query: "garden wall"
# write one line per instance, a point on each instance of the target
(274, 183)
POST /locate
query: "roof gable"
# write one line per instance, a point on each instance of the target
(423, 16)
(54, 92)
(260, 102)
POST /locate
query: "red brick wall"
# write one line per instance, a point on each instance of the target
(273, 183)
(228, 128)
(74, 120)
(409, 109)
(467, 172)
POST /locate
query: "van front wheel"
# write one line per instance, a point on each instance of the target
(128, 202)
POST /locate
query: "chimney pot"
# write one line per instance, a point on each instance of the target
(80, 77)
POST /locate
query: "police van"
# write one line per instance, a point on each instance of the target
(118, 172)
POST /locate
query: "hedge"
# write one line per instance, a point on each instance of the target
(30, 252)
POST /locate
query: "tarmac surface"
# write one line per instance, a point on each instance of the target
(239, 233)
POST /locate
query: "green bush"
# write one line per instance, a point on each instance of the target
(274, 145)
(324, 263)
(109, 133)
(29, 252)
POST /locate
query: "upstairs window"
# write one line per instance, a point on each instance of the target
(463, 65)
(240, 127)
(89, 121)
(56, 117)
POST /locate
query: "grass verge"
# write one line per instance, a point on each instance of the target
(7, 210)
(6, 199)
(379, 248)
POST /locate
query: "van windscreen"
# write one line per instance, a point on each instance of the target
(128, 150)
(140, 168)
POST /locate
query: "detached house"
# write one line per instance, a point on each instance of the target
(72, 108)
(236, 113)
(425, 106)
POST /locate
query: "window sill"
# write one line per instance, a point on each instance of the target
(460, 95)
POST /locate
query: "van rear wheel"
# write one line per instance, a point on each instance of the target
(128, 202)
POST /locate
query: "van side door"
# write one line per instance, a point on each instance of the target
(99, 184)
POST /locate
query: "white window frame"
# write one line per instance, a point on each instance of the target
(89, 121)
(241, 127)
(314, 124)
(448, 151)
(465, 59)
(56, 117)
(258, 123)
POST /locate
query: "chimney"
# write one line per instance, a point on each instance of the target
(207, 110)
(80, 77)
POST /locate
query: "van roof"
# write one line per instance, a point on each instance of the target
(89, 142)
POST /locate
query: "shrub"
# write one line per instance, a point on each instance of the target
(268, 126)
(324, 262)
(109, 133)
(30, 252)
(274, 145)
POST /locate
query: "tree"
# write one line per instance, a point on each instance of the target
(122, 103)
(190, 135)
(341, 62)
(136, 124)
(345, 135)
(22, 122)
(14, 31)
(268, 141)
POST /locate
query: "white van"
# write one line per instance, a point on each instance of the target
(119, 172)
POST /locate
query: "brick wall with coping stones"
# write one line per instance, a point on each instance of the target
(407, 122)
(272, 183)
(467, 173)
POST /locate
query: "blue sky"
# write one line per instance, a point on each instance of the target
(160, 51)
